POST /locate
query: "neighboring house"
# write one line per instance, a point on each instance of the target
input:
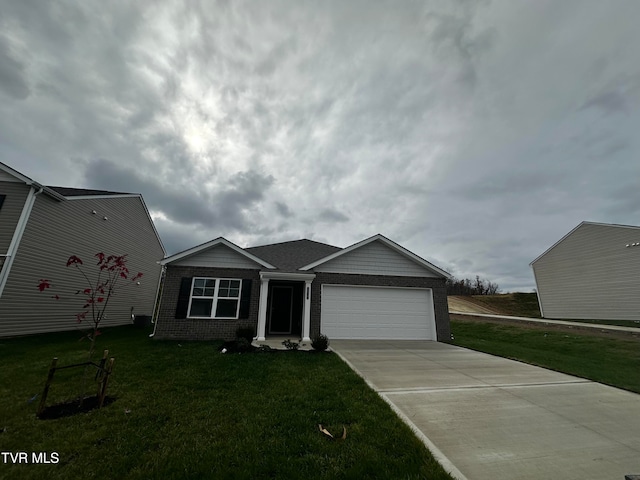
(374, 289)
(593, 272)
(42, 226)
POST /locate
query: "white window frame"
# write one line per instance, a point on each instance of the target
(215, 298)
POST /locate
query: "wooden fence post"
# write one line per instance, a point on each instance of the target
(43, 400)
(105, 381)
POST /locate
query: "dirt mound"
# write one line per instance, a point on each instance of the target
(463, 304)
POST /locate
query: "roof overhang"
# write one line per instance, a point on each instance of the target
(576, 228)
(32, 183)
(292, 276)
(391, 244)
(211, 244)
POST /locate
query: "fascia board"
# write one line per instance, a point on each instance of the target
(403, 251)
(213, 243)
(559, 242)
(613, 225)
(102, 196)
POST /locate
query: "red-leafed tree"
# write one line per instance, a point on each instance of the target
(99, 289)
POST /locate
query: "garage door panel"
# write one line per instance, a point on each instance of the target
(377, 313)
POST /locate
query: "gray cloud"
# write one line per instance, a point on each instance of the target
(283, 210)
(224, 209)
(332, 216)
(475, 133)
(609, 102)
(12, 72)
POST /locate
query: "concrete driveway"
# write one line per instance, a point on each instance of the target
(487, 417)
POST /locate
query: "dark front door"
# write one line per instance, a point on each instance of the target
(281, 311)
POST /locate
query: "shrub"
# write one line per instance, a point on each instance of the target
(320, 343)
(245, 332)
(243, 345)
(291, 345)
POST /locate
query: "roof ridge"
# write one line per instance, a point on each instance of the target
(293, 241)
(70, 191)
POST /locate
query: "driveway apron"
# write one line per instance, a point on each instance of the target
(489, 418)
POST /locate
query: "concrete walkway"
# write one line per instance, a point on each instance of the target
(486, 417)
(597, 326)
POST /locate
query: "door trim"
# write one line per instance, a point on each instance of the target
(281, 287)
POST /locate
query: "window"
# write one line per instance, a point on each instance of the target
(214, 298)
(2, 197)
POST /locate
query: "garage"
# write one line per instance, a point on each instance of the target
(367, 312)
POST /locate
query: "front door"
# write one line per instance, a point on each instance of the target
(281, 311)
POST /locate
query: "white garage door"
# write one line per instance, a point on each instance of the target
(377, 313)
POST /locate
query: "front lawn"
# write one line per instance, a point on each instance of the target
(184, 410)
(609, 359)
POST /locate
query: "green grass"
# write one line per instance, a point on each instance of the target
(622, 323)
(526, 305)
(183, 410)
(515, 304)
(611, 360)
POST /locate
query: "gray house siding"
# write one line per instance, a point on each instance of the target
(57, 230)
(375, 258)
(15, 197)
(443, 329)
(218, 256)
(170, 327)
(591, 274)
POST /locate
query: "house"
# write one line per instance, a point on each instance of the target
(593, 272)
(42, 226)
(374, 289)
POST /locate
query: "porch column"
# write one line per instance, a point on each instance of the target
(262, 309)
(306, 320)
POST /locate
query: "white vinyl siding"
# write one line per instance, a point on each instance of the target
(358, 312)
(219, 256)
(375, 258)
(57, 230)
(217, 298)
(5, 177)
(15, 196)
(591, 274)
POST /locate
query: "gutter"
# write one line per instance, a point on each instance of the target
(17, 235)
(158, 302)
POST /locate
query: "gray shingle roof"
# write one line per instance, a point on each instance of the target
(75, 192)
(290, 256)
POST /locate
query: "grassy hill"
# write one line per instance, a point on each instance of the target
(516, 304)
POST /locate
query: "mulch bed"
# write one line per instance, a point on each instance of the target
(73, 407)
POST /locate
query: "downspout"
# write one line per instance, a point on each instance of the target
(17, 236)
(158, 302)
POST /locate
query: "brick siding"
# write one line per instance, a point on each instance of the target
(169, 327)
(443, 329)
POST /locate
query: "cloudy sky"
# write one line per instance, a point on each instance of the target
(475, 134)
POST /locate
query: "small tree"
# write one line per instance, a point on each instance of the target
(112, 273)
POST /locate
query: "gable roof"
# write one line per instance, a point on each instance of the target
(290, 256)
(63, 193)
(211, 244)
(23, 178)
(380, 238)
(59, 193)
(613, 225)
(74, 192)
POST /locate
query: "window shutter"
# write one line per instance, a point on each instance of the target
(245, 298)
(183, 297)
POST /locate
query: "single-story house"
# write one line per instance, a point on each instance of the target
(591, 273)
(41, 226)
(374, 289)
